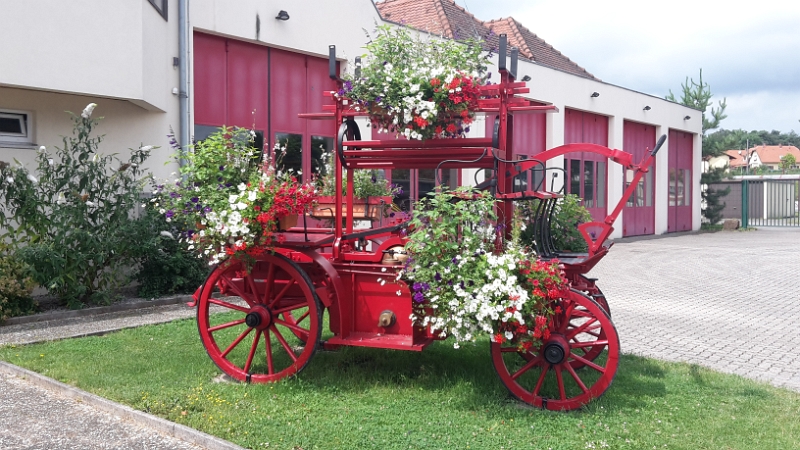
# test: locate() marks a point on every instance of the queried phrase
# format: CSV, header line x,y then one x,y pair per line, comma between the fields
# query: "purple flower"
x,y
221,168
425,286
418,297
207,209
454,260
378,99
195,199
169,214
437,277
348,86
417,287
374,179
174,195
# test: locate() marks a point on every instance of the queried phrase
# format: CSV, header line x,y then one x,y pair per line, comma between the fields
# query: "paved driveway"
x,y
727,300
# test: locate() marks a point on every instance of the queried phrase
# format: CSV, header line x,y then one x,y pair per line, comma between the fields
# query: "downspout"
x,y
183,69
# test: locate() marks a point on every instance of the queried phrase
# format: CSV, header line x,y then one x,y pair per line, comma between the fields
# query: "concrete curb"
x,y
119,307
163,426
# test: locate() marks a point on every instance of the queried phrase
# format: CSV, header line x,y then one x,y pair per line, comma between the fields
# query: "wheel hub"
x,y
259,317
554,353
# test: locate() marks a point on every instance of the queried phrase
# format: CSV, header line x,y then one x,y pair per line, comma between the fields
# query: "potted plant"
x,y
462,286
372,194
229,201
418,89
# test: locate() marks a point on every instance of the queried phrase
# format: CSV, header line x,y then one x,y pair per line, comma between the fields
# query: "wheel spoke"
x,y
588,363
235,288
301,318
284,343
568,314
252,352
560,380
540,381
282,293
576,378
236,341
304,332
526,367
286,309
252,284
268,283
226,325
581,345
228,305
270,366
580,329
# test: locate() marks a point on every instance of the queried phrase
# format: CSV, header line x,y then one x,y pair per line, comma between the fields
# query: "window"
x,y
16,128
161,6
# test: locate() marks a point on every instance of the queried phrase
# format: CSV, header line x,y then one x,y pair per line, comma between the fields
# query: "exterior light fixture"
x,y
595,94
282,15
526,78
687,117
646,108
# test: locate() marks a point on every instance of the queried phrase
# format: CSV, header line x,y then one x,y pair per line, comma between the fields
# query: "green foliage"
x,y
712,198
569,213
16,286
788,161
166,267
698,95
366,182
72,217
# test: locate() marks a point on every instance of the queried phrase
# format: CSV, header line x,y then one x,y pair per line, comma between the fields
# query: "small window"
x,y
161,6
15,127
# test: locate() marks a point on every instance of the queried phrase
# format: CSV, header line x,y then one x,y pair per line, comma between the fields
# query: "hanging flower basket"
x,y
415,88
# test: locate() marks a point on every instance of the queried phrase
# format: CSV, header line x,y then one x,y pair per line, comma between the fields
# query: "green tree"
x,y
698,95
787,162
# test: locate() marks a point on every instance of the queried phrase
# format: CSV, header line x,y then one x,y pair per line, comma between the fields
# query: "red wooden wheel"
x,y
546,377
267,327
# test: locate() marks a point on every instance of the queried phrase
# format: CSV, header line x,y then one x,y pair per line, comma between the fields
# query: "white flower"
x,y
91,203
95,157
167,234
50,161
9,180
60,199
242,206
251,196
242,186
33,179
87,112
146,148
42,149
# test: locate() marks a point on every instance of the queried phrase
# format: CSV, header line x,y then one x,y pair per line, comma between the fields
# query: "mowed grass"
x,y
439,398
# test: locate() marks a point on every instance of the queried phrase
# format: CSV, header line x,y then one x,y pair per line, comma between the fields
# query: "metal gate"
x,y
770,203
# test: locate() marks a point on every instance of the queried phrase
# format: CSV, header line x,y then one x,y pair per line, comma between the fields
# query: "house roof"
x,y
767,154
446,18
535,48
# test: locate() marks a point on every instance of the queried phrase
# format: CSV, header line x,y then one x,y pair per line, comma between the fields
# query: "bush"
x,y
73,215
569,213
166,267
16,286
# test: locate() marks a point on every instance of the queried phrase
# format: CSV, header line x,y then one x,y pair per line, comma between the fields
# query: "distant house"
x,y
769,156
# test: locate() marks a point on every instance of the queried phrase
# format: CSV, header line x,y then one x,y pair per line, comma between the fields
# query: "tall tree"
x,y
698,95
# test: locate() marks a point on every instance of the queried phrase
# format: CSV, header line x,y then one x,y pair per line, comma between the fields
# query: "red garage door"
x,y
587,172
638,215
680,181
261,88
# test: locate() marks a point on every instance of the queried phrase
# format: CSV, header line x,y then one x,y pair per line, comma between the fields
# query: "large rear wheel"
x,y
266,326
546,377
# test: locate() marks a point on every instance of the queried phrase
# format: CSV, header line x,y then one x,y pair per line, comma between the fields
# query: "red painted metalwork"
x,y
272,325
587,173
638,214
679,203
550,378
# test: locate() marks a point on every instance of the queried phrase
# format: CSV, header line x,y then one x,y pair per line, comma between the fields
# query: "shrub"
x,y
166,267
16,286
73,215
569,213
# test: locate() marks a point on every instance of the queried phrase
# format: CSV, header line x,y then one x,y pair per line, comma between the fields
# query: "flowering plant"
x,y
461,287
366,182
418,89
228,201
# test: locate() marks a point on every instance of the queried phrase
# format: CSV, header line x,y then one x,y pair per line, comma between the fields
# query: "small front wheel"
x,y
268,325
546,376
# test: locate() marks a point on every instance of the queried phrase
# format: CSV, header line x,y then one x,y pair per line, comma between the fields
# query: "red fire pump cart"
x,y
268,323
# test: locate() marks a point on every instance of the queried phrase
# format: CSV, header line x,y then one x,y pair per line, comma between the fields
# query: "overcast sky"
x,y
749,51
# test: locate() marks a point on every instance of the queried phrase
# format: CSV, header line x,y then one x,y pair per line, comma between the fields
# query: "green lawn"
x,y
440,398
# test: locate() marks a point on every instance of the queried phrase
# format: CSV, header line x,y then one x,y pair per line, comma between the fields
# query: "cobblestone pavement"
x,y
729,300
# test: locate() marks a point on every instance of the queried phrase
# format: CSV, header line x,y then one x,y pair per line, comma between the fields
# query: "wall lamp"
x,y
282,15
687,117
526,78
646,108
595,94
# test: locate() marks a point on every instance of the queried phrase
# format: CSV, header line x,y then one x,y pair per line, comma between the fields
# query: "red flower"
x,y
451,128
